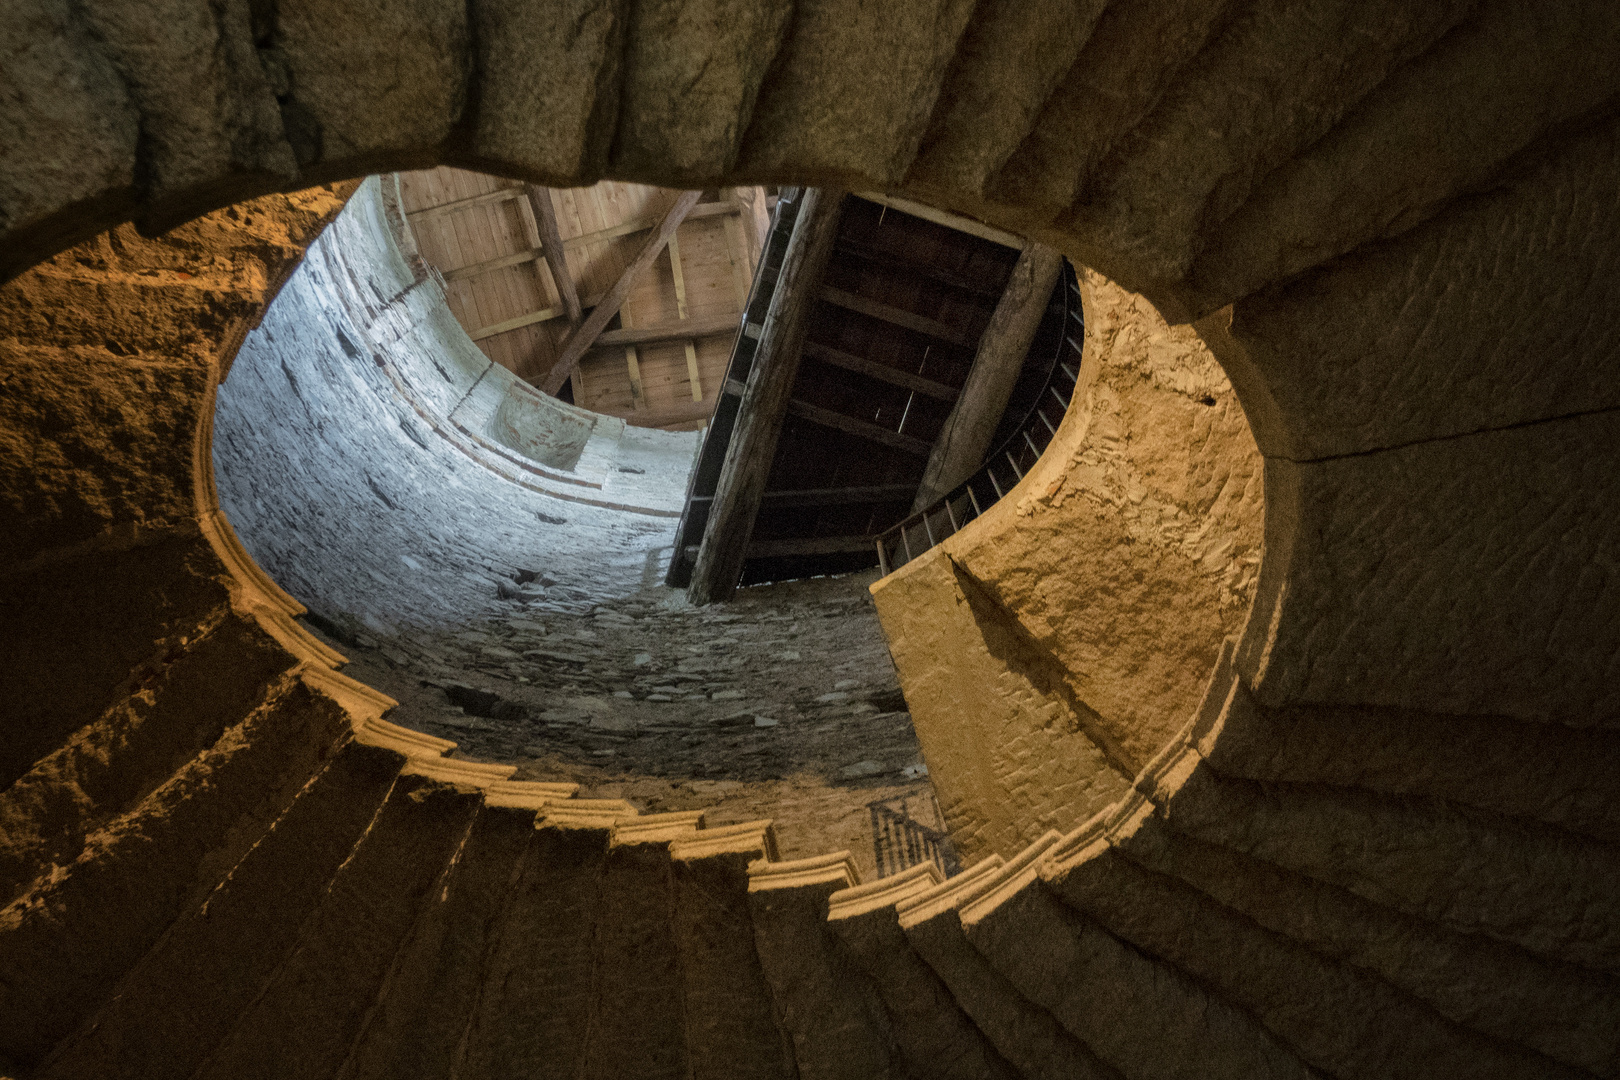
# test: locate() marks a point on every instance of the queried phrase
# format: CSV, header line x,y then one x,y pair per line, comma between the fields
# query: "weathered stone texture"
x,y
1278,78
1448,122
359,79
692,72
206,108
1008,64
1052,647
67,133
1136,49
548,87
1466,575
849,98
1486,317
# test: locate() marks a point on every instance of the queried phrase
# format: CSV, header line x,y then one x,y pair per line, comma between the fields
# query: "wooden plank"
x,y
812,545
516,258
632,361
884,372
551,245
693,375
737,252
528,319
965,438
763,409
896,316
586,333
671,331
849,425
429,212
947,219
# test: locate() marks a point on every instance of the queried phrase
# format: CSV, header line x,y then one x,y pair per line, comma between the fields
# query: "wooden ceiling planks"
x,y
484,238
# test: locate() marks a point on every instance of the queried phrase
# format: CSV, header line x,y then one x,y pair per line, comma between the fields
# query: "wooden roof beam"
x,y
965,438
864,429
551,246
766,399
587,332
896,316
882,372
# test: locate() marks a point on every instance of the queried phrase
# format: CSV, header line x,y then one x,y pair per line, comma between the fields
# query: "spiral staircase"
x,y
1385,846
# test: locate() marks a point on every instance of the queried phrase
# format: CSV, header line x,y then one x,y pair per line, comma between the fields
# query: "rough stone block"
x,y
361,80
548,87
850,94
1464,575
1446,123
1482,317
692,72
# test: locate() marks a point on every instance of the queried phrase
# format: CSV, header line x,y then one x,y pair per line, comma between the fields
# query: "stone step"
x,y
309,1015
637,1028
1027,1035
186,993
884,101
535,1007
1568,1013
107,767
1136,49
1011,58
65,944
1341,1019
838,1025
731,1028
935,1037
427,1002
1551,773
1107,994
1543,889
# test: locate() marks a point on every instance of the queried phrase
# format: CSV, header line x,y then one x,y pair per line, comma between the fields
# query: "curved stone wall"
x,y
359,417
1055,645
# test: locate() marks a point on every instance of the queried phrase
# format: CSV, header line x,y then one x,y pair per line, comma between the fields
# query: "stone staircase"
x,y
1250,910
1396,859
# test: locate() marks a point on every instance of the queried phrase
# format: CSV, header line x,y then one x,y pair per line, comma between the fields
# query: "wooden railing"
x,y
1008,463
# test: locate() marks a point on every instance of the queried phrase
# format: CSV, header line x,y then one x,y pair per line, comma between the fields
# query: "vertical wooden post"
x,y
965,438
765,399
693,376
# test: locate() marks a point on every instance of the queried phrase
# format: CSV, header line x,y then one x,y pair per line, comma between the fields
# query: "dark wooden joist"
x,y
585,335
896,316
866,430
765,399
551,246
883,372
965,438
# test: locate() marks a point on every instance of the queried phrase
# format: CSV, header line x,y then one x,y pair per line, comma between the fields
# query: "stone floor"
x,y
781,704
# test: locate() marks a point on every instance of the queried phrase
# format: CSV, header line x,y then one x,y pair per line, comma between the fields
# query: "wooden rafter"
x,y
896,316
765,402
551,247
880,371
586,333
729,210
851,426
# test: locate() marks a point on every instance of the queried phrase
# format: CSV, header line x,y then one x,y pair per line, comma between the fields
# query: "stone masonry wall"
x,y
1051,648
